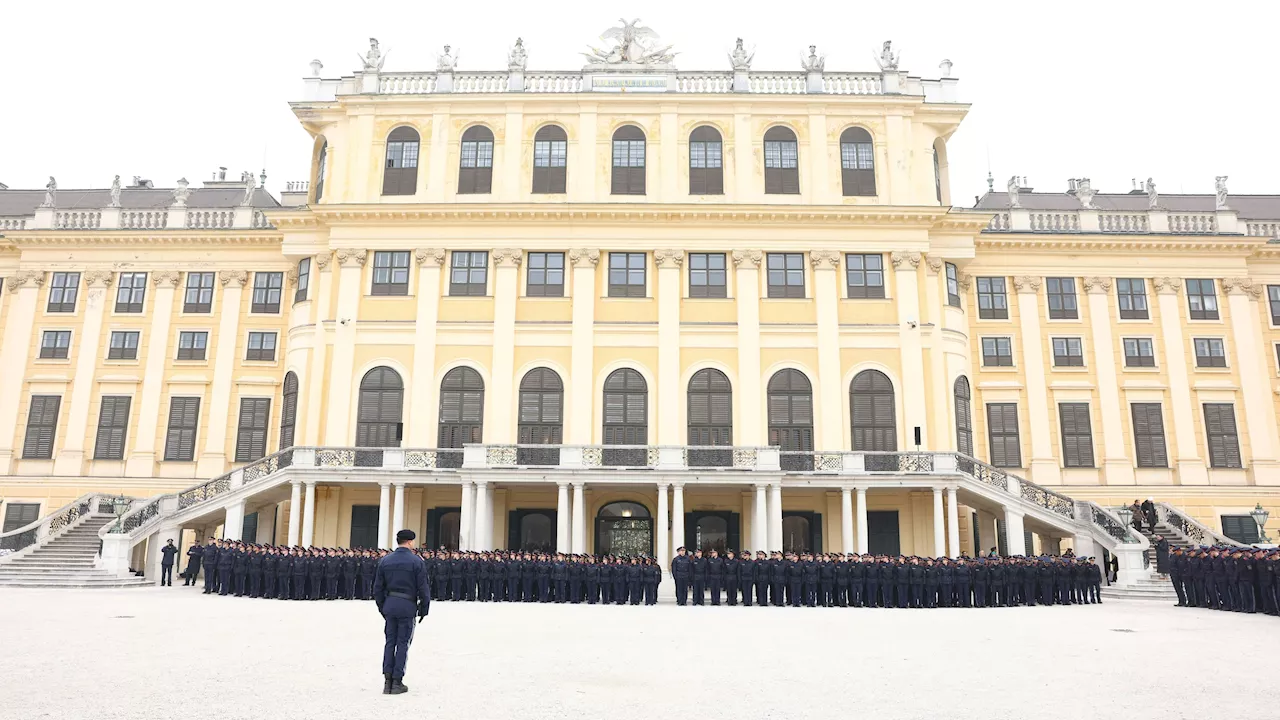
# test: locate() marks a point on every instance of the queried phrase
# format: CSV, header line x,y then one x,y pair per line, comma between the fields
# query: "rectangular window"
x,y
864,275
184,421
42,424
546,275
1002,435
993,301
131,292
1077,435
1273,298
997,352
113,427
198,297
1062,298
786,275
628,176
391,273
708,277
266,292
1139,352
1241,528
304,280
1148,435
192,345
123,345
251,435
262,346
63,288
1210,353
1068,352
626,274
1220,432
1132,295
469,274
1202,299
953,285
55,344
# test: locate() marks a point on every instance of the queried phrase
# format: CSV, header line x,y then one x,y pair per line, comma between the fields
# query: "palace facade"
x,y
628,308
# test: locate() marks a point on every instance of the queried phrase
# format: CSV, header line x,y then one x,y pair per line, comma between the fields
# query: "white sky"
x,y
1177,90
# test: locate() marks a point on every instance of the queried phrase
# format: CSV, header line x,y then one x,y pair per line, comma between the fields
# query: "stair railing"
x,y
34,534
1191,530
1129,547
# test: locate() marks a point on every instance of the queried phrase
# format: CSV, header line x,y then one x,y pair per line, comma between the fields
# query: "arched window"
x,y
322,163
475,167
628,161
706,166
710,408
289,413
871,413
400,176
711,533
461,408
550,160
781,162
624,528
541,417
537,533
857,162
964,420
380,410
448,530
791,411
626,408
797,537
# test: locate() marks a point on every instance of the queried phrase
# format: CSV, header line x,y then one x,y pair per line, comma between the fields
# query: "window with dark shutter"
x,y
964,416
541,408
1210,352
1139,352
1077,435
997,352
192,345
289,410
1148,435
1067,352
710,408
1220,432
706,171
1202,299
791,411
626,408
628,161
304,280
953,285
198,295
550,160
131,292
1002,434
251,433
390,273
864,276
475,167
123,345
1241,528
18,515
546,275
184,424
42,426
380,411
468,274
63,288
1061,293
267,287
708,276
1131,293
261,347
627,274
461,408
400,176
113,427
857,164
785,275
872,413
781,162
993,299
55,344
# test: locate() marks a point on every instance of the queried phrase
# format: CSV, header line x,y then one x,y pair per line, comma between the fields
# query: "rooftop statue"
x,y
1013,192
181,193
1220,192
115,192
447,61
50,193
740,58
815,62
372,60
250,183
634,44
887,59
518,57
1153,198
1085,193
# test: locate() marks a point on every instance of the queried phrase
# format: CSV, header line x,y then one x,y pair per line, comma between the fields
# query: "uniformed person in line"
x,y
746,576
715,575
729,580
194,553
167,554
400,592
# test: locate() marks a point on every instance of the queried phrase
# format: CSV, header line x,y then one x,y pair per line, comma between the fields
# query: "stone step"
x,y
48,569
77,583
29,563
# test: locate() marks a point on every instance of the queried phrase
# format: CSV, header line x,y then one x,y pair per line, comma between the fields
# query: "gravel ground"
x,y
173,653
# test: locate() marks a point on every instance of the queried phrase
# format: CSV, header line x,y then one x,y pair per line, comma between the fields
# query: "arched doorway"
x,y
708,529
532,530
443,528
624,528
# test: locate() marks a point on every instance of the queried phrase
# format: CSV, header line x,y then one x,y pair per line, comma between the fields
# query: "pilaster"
x,y
384,515
1116,467
669,186
141,463
935,295
582,176
563,518
1191,469
1044,465
669,263
438,155
213,461
830,435
906,268
70,460
322,290
819,152
510,177
23,287
505,288
421,427
350,287
1260,419
582,361
748,387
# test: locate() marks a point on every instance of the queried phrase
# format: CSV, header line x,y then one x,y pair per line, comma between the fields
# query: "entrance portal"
x,y
624,528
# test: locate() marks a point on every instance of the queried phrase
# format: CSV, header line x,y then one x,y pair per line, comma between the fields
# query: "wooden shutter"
x,y
541,408
790,411
113,425
251,433
17,515
1220,429
1148,435
42,425
184,418
626,418
380,410
289,410
1002,432
872,413
1077,434
461,408
1241,528
964,417
710,403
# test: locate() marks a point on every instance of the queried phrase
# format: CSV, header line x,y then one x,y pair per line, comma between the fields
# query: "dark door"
x,y
364,526
443,527
882,532
802,531
249,531
532,530
708,530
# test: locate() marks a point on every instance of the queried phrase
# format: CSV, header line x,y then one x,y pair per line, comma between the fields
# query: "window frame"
x,y
953,285
1062,290
551,147
177,433
1004,434
1225,441
304,281
261,353
200,289
134,287
476,178
707,289
993,297
1157,456
190,352
995,346
1125,289
706,178
69,286
112,436
251,438
702,409
123,351
1203,298
1138,345
1072,359
628,288
390,287
540,410
40,437
780,177
267,285
858,163
471,287
1075,431
540,262
865,291
628,178
786,289
59,349
1214,360
400,173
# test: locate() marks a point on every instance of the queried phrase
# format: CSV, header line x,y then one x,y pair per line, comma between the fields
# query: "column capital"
x,y
824,259
579,484
951,489
296,482
1026,284
898,257
1097,285
233,278
965,281
165,277
663,484
755,256
429,256
584,257
846,490
291,277
25,278
862,489
1242,286
1167,285
675,258
508,257
562,484
384,483
777,484
677,485
1011,511
398,485
934,264
322,261
352,257
309,483
98,278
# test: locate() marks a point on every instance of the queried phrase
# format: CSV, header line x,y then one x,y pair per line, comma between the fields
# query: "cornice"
x,y
1122,243
161,238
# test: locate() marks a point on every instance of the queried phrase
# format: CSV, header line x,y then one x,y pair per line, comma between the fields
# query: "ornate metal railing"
x,y
136,518
449,459
709,457
902,462
1194,532
1109,524
538,455
55,522
982,472
624,457
204,491
1046,498
796,460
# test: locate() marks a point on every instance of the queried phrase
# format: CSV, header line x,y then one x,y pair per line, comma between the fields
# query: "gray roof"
x,y
25,202
1247,207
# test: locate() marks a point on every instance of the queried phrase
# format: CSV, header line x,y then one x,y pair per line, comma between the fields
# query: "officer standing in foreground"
x,y
401,591
168,553
194,554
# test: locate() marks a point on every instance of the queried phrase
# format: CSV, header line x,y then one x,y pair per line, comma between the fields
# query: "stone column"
x,y
309,514
14,354
322,289
70,459
775,516
488,521
953,523
562,517
397,514
846,520
467,516
677,516
506,284
1191,469
905,266
213,461
384,515
943,418
1044,465
1014,532
1116,467
747,390
141,463
579,544
862,521
939,526
1255,381
295,511
582,335
662,530
350,288
987,537
818,149
669,393
420,430
233,525
830,431
481,537
760,520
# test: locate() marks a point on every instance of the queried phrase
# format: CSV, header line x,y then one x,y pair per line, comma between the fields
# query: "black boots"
x,y
395,687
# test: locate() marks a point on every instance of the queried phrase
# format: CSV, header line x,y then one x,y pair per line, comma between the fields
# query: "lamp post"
x,y
1260,516
1126,516
120,504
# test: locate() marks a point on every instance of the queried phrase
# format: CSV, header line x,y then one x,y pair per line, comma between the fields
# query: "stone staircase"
x,y
1172,536
66,561
1158,587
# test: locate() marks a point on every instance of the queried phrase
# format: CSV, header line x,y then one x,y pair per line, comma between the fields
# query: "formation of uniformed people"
x,y
514,576
271,571
1239,579
836,580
